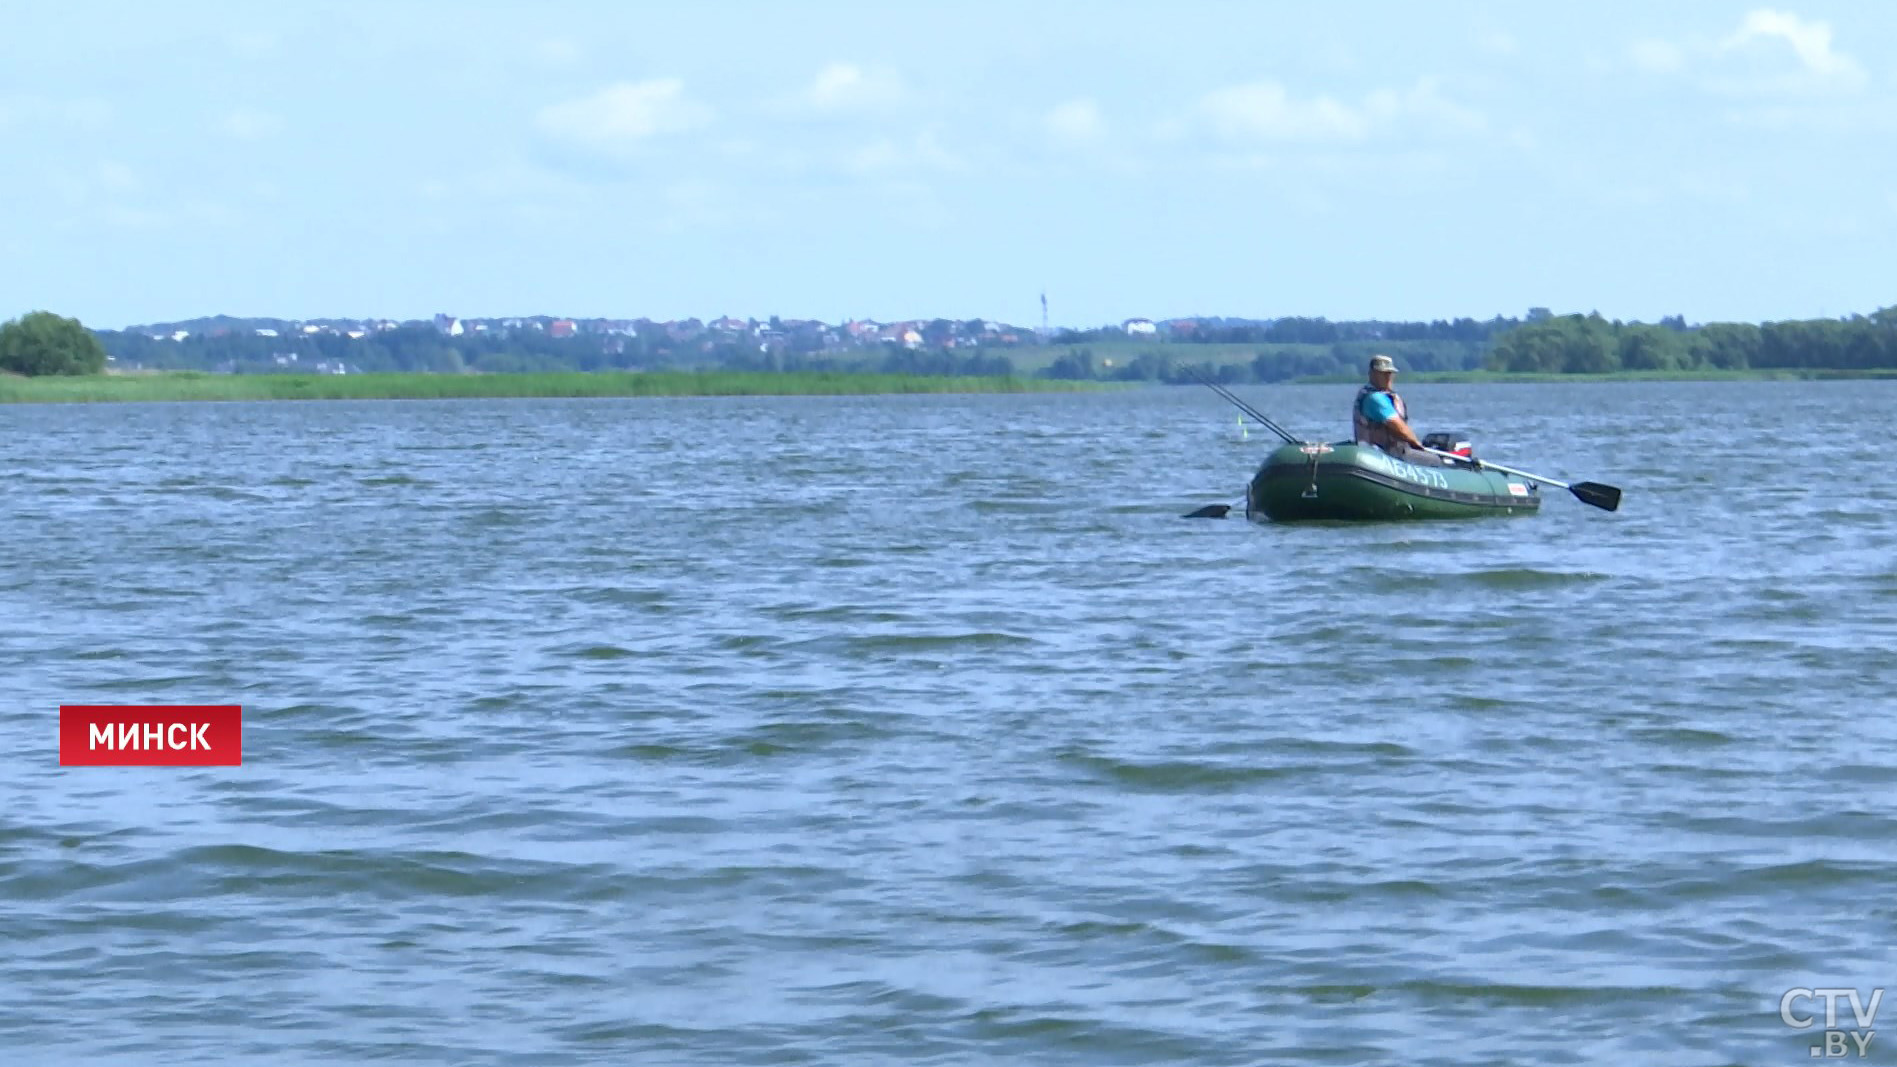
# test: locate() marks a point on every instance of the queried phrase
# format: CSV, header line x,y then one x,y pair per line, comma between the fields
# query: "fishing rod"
x,y
1257,416
1219,511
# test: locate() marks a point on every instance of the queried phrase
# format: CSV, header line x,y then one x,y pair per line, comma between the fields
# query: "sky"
x,y
1352,160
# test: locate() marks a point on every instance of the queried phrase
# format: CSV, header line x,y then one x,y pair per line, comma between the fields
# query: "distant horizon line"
x,y
1053,327
1237,319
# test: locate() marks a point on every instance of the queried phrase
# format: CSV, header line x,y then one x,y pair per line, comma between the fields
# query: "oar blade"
x,y
1605,497
1210,511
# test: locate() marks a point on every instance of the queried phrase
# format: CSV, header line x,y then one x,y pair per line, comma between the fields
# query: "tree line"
x,y
1315,331
1589,344
45,343
1178,363
1543,343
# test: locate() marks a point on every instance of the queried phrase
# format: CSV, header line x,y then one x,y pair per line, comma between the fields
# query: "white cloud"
x,y
848,87
1771,53
250,124
1423,104
621,116
1809,41
1266,111
1076,121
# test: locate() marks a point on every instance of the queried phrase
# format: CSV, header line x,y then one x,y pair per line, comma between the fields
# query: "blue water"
x,y
925,730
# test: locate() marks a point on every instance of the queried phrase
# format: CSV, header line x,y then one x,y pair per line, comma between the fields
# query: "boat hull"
x,y
1357,483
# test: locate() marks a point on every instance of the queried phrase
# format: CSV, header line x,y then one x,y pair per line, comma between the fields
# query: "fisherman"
x,y
1379,418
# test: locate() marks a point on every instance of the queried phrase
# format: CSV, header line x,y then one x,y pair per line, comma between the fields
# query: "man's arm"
x,y
1397,426
1381,411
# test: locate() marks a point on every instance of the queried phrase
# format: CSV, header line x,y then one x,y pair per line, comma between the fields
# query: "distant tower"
x,y
1045,332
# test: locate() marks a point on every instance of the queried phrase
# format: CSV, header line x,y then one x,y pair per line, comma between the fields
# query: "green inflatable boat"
x,y
1349,482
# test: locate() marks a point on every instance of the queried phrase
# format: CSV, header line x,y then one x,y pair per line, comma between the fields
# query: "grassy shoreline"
x,y
1774,374
198,386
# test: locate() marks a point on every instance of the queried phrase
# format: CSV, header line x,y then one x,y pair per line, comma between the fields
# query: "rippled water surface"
x,y
925,730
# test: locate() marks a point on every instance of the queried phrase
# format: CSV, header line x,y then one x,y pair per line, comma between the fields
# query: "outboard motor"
x,y
1453,443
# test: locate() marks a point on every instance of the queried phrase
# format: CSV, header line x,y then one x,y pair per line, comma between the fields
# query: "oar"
x,y
1211,511
1605,497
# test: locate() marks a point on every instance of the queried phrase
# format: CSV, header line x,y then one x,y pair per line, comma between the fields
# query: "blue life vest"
x,y
1365,432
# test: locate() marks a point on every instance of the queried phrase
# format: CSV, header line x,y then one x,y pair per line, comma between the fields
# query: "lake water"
x,y
925,730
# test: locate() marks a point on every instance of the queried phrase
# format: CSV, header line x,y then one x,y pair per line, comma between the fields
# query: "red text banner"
x,y
151,735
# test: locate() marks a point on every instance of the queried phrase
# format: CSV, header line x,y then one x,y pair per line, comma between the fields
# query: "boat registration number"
x,y
1407,471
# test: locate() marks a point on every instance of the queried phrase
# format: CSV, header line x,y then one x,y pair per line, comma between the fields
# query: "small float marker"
x,y
152,735
1242,434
